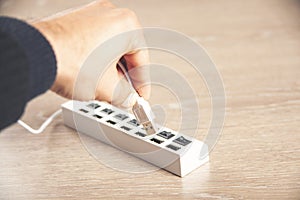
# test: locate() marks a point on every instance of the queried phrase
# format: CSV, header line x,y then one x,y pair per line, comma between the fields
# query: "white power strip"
x,y
167,149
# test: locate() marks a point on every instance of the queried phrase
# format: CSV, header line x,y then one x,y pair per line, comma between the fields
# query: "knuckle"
x,y
107,3
127,13
128,16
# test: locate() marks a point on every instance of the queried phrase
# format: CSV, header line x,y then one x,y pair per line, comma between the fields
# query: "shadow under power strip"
x,y
167,149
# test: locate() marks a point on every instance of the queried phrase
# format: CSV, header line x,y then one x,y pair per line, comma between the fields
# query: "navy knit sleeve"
x,y
27,67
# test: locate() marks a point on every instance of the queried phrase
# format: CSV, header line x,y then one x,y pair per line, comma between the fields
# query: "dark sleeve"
x,y
27,67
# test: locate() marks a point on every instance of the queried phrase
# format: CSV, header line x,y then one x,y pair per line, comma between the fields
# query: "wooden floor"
x,y
256,48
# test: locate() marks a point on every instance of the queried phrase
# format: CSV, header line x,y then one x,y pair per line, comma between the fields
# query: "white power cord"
x,y
43,126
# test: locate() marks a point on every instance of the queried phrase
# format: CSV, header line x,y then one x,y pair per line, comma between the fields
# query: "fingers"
x,y
123,95
114,88
102,26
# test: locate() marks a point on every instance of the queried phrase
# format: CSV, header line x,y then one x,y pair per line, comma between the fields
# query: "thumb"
x,y
114,88
124,96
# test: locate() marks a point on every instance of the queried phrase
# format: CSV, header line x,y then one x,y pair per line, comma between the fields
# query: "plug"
x,y
143,113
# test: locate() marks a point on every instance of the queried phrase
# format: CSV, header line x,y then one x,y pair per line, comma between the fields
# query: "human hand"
x,y
75,34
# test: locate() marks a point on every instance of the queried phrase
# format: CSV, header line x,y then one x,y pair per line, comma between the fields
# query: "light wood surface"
x,y
256,47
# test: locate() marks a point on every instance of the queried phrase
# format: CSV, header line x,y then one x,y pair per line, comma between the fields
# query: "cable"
x,y
126,75
141,109
43,126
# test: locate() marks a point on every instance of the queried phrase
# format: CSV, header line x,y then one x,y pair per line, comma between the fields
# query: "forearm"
x,y
27,65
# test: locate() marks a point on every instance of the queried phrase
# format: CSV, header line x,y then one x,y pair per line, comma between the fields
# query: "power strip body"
x,y
167,149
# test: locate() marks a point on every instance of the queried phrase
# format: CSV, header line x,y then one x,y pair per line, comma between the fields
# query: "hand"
x,y
74,35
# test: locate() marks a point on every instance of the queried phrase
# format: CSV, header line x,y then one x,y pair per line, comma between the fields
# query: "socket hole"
x,y
111,122
157,140
173,147
107,111
140,134
83,110
97,116
134,122
125,128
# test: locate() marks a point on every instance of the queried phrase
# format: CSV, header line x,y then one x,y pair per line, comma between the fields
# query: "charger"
x,y
144,115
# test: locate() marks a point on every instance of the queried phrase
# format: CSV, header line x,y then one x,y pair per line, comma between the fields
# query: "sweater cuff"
x,y
40,55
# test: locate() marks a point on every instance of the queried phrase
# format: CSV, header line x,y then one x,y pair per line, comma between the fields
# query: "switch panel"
x,y
175,152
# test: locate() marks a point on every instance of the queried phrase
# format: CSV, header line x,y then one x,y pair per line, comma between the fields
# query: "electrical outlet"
x,y
167,149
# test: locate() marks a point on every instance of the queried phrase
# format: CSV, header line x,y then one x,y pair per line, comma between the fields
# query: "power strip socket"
x,y
167,149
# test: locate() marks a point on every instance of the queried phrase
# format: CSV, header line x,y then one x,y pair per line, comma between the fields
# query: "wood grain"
x,y
256,47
